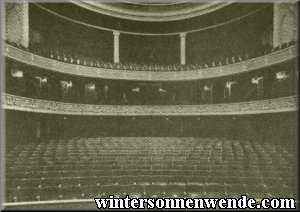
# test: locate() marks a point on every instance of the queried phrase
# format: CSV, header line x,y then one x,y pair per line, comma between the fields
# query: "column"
x,y
17,23
182,48
284,23
116,46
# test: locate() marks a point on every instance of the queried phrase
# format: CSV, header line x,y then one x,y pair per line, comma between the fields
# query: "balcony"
x,y
273,58
285,104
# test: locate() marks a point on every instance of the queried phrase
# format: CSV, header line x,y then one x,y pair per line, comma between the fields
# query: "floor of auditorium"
x,y
85,168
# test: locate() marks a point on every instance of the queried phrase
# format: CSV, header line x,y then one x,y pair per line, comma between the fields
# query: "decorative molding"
x,y
140,12
285,104
106,73
87,24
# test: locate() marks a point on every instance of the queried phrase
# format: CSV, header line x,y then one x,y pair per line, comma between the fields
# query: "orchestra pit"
x,y
148,100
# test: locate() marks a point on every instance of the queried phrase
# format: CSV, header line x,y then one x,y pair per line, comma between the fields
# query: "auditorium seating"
x,y
85,168
96,62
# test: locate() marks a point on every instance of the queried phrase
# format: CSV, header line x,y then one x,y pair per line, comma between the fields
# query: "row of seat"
x,y
85,167
184,178
147,190
80,60
130,156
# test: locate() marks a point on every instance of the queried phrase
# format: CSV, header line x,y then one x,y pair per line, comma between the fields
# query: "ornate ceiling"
x,y
156,12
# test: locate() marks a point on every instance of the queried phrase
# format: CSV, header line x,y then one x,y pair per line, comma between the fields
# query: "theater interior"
x,y
148,100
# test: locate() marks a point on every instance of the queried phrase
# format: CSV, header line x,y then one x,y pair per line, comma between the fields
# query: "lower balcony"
x,y
284,104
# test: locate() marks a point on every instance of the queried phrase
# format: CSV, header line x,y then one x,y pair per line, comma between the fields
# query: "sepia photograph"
x,y
149,104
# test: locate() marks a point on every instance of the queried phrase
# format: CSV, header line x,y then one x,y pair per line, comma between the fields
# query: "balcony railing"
x,y
111,73
285,104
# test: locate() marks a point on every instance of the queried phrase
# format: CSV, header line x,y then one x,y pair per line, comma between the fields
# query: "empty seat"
x,y
272,181
154,190
215,180
30,194
50,193
196,180
123,180
175,190
70,192
134,190
195,190
89,191
253,181
230,180
281,191
11,195
148,167
234,190
103,180
215,190
113,189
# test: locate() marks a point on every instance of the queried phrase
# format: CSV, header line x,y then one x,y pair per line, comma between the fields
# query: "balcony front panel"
x,y
121,74
285,104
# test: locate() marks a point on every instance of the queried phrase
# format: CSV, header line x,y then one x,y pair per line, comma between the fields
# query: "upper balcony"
x,y
98,69
206,41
